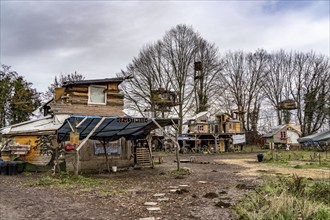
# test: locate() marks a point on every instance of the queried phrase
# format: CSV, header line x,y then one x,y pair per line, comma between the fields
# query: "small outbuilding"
x,y
282,135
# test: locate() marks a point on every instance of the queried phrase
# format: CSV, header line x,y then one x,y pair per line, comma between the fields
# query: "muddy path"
x,y
208,192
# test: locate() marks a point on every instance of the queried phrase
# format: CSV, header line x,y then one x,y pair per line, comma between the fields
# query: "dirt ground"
x,y
215,183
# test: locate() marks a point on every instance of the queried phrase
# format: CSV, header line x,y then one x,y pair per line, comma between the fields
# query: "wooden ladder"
x,y
143,157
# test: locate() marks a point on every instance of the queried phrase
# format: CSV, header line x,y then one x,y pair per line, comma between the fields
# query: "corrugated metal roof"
x,y
201,114
93,81
36,126
276,129
273,131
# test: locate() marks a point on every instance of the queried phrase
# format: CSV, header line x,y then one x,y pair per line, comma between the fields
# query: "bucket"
x,y
260,157
114,169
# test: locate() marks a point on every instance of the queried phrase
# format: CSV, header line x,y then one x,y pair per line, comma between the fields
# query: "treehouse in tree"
x,y
288,104
163,99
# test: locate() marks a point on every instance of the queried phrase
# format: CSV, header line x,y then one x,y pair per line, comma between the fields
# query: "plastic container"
x,y
4,168
260,157
12,168
114,169
69,147
20,167
1,163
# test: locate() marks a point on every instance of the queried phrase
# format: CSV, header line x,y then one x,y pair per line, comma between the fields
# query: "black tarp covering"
x,y
112,128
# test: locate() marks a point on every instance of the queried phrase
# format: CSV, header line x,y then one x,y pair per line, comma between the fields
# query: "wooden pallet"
x,y
143,157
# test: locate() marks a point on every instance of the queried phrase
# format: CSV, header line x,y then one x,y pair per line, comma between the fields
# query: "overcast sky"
x,y
99,38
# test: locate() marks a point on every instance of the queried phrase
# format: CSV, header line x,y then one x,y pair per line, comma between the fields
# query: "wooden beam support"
x,y
82,121
176,142
76,172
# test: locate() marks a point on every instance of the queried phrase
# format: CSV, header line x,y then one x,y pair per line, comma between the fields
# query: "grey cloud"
x,y
99,38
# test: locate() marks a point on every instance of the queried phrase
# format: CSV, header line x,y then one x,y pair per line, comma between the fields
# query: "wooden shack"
x,y
218,134
228,124
199,124
20,140
282,135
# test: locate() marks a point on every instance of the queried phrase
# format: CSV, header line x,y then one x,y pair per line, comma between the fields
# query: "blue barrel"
x,y
260,157
12,168
4,168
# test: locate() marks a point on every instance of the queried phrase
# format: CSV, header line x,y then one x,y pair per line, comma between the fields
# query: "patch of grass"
x,y
312,165
162,153
316,159
182,171
320,191
120,191
63,180
286,198
86,190
104,192
253,148
26,173
322,213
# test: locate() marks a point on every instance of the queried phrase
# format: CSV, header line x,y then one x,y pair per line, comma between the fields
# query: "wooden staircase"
x,y
143,158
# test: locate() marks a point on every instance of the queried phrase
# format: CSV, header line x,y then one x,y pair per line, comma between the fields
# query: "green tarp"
x,y
318,137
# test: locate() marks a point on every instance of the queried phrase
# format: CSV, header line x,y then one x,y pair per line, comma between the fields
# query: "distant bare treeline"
x,y
245,81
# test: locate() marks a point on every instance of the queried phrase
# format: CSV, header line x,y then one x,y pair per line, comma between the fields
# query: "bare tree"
x,y
207,72
310,88
180,45
256,69
48,145
277,81
146,73
168,64
58,82
234,79
243,77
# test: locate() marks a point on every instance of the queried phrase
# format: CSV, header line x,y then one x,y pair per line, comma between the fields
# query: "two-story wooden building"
x,y
219,134
78,105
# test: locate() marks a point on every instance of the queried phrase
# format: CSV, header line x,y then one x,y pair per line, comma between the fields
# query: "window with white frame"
x,y
97,95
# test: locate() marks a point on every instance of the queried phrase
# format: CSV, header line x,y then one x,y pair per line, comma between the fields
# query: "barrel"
x,y
12,168
4,168
20,166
